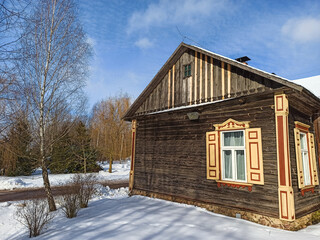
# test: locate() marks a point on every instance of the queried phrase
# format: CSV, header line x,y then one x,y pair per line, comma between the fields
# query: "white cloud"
x,y
144,43
302,30
91,41
172,12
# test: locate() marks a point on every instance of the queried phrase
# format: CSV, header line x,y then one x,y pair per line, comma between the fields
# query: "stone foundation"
x,y
253,217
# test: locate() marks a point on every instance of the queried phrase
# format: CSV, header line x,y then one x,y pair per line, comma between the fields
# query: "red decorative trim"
x,y
214,173
282,169
214,137
255,136
311,189
235,185
309,157
232,124
305,129
258,180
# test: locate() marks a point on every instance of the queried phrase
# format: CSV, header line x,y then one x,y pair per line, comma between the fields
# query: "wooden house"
x,y
217,133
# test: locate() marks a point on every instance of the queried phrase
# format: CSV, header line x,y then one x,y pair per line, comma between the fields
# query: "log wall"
x,y
171,155
310,201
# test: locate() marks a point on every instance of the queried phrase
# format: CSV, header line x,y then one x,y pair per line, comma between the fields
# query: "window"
x,y
305,156
187,70
234,153
233,156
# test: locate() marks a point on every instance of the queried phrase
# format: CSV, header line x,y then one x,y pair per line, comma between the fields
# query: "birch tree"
x,y
12,15
52,72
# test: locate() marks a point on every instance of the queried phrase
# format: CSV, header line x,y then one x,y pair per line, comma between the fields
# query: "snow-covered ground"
x,y
120,171
114,215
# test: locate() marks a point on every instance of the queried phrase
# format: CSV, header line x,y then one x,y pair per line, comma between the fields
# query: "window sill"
x,y
235,184
309,188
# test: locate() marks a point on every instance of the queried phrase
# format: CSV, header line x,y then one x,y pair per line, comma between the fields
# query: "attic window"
x,y
187,70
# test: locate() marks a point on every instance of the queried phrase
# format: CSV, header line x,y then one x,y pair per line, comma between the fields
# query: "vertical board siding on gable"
x,y
210,80
201,77
216,84
206,78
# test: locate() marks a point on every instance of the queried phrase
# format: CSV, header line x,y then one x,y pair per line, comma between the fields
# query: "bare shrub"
x,y
86,183
82,188
70,201
35,215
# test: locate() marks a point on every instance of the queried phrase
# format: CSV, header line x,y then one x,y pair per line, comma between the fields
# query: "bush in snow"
x,y
70,201
86,187
82,188
35,215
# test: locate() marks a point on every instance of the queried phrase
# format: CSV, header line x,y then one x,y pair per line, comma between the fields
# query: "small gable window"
x,y
187,70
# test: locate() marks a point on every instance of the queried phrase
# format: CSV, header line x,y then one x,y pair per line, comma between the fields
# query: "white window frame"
x,y
233,149
305,160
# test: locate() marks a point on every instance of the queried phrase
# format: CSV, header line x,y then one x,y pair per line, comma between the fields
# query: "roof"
x,y
310,83
178,53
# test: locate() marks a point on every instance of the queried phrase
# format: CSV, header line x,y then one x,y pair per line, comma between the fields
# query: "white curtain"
x,y
233,139
240,165
305,159
227,163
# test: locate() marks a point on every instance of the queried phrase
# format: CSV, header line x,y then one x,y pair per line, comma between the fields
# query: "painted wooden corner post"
x,y
285,191
133,149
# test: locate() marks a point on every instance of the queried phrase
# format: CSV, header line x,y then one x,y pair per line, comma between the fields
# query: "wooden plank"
x,y
200,74
229,80
222,80
169,87
195,77
211,79
206,79
173,80
217,79
163,96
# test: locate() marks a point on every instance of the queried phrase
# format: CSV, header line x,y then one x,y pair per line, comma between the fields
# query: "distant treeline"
x,y
102,136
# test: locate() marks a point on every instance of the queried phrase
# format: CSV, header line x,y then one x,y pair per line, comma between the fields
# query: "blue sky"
x,y
133,39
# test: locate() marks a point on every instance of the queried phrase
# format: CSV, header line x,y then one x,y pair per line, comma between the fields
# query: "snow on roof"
x,y
310,83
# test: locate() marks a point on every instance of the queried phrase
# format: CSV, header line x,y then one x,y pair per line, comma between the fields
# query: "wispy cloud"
x,y
302,30
172,12
91,41
144,43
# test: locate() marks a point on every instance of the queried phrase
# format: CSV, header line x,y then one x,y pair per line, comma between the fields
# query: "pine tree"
x,y
73,153
17,157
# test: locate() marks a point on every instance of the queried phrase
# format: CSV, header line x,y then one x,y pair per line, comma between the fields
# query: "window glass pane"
x,y
306,168
241,171
303,140
233,139
227,156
